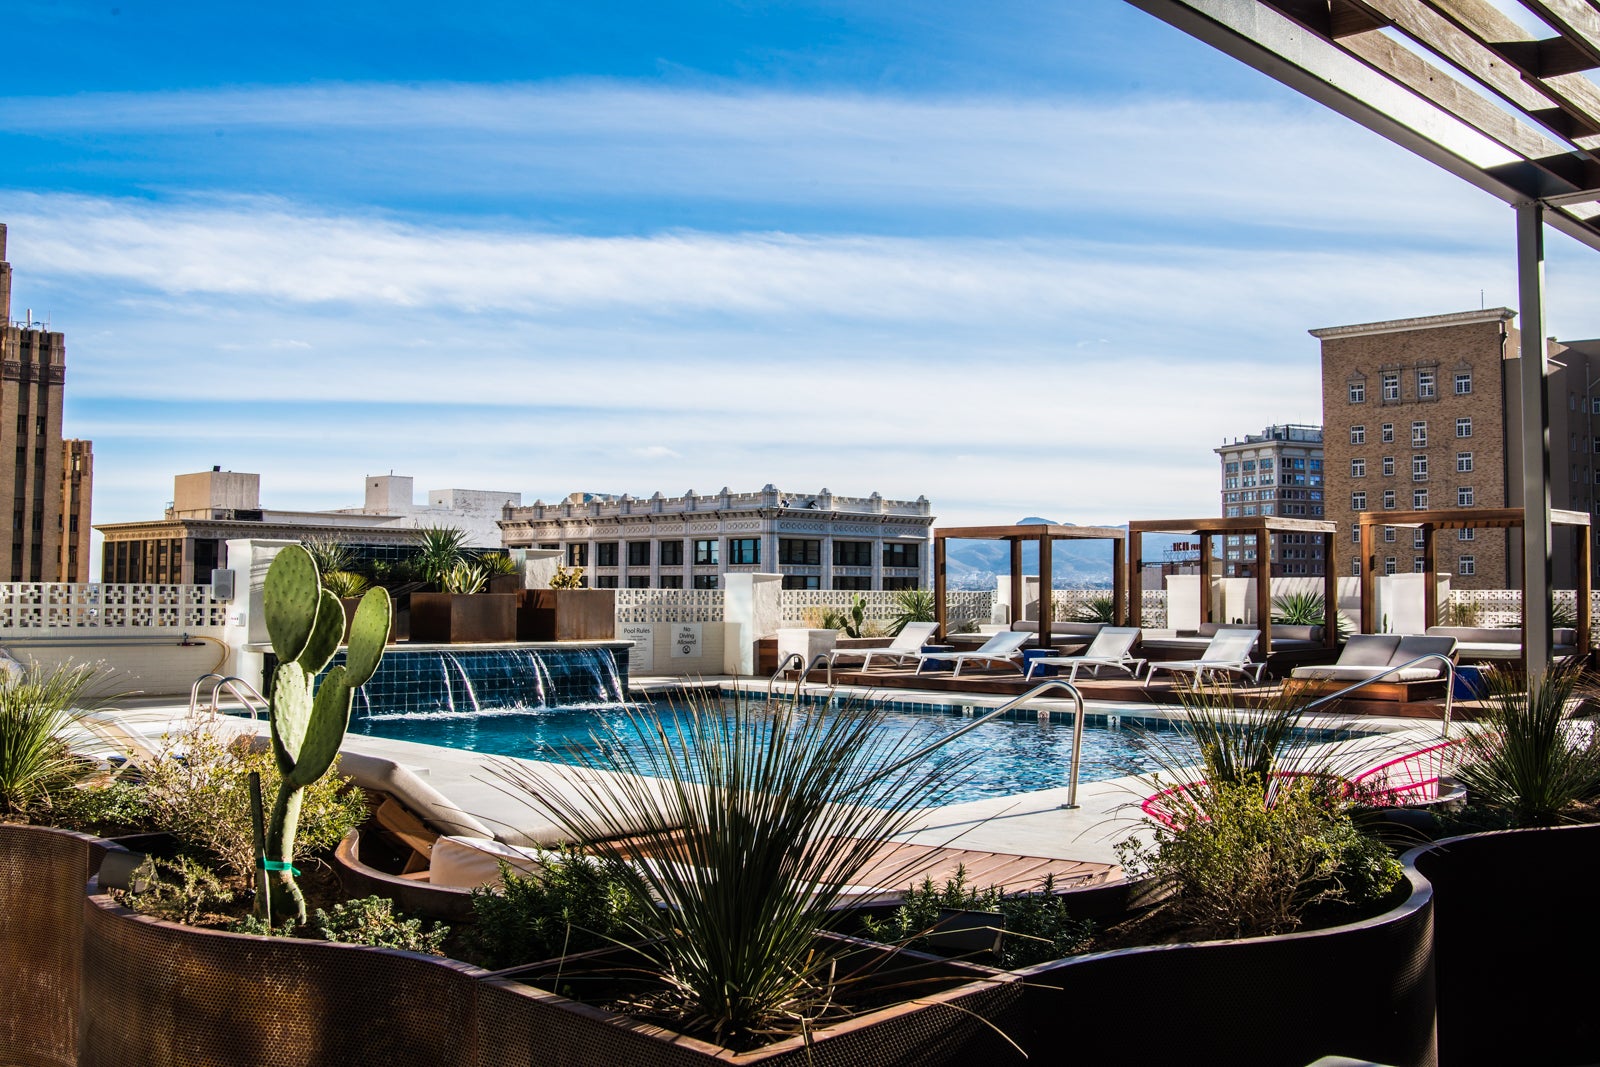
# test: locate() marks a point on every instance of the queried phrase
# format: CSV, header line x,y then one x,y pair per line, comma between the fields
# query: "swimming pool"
x,y
1014,755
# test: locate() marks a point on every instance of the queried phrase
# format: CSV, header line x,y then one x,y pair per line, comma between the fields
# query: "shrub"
x,y
1248,868
1531,759
1097,609
118,806
1038,926
571,905
181,890
567,578
255,924
371,921
911,605
37,708
203,798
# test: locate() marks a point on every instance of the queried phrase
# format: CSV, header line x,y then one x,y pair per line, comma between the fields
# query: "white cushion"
x,y
469,862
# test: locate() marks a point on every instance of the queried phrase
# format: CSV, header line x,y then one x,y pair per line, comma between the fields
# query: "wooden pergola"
x,y
1046,534
1430,522
1261,527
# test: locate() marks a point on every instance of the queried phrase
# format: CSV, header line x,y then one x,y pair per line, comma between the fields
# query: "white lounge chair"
x,y
907,643
1004,647
125,741
1111,647
1228,653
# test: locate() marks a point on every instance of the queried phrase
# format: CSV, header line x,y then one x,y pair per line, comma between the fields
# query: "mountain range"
x,y
1075,564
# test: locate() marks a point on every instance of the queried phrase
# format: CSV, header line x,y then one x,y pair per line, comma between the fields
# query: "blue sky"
x,y
1022,258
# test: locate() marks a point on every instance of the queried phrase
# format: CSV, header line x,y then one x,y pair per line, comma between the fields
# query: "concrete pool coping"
x,y
1033,824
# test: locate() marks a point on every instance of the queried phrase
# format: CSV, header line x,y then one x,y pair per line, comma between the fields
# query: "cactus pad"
x,y
326,634
369,631
289,601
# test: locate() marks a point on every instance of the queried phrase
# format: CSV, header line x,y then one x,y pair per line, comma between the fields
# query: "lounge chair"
x,y
1369,655
907,643
1003,647
126,742
1111,647
1228,653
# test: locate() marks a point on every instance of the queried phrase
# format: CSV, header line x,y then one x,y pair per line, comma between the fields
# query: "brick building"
x,y
1421,414
48,485
1276,472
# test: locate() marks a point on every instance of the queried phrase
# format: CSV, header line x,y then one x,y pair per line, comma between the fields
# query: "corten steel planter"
x,y
1363,990
351,603
566,615
1513,927
463,618
42,873
958,1021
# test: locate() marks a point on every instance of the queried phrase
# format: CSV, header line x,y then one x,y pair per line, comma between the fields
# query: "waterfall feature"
x,y
464,680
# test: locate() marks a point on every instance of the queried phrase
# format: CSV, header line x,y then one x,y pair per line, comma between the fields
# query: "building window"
x,y
1419,435
1358,392
1418,563
800,552
1358,435
801,581
855,582
672,556
1464,496
1463,462
1391,387
670,581
1426,385
1355,568
1419,500
1463,382
577,555
1358,502
638,554
1388,499
1466,565
605,554
852,554
1466,533
1388,466
638,581
744,551
1358,468
901,555
1390,565
705,581
1464,427
895,584
706,555
605,581
1388,533
1355,535
1419,468
1386,432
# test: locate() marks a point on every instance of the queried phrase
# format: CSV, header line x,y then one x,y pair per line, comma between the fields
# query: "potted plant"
x,y
567,611
461,611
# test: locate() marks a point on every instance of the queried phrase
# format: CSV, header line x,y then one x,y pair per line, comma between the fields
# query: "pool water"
x,y
1014,755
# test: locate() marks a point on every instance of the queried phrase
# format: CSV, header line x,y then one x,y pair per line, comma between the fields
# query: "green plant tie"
x,y
279,865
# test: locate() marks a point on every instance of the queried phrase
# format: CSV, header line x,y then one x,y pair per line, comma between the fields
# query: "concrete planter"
x,y
1363,990
463,618
1512,927
566,615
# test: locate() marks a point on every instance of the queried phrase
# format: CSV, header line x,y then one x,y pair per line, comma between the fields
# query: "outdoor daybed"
x,y
1371,655
1484,643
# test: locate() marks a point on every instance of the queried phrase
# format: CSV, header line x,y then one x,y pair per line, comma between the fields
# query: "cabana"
x,y
1045,534
1430,522
1261,527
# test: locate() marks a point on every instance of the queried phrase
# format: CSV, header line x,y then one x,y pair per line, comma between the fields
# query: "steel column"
x,y
1537,575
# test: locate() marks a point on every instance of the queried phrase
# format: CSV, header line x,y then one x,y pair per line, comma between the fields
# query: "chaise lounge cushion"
x,y
1369,655
1059,626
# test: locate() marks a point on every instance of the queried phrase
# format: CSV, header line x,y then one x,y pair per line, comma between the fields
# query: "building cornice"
x,y
1425,322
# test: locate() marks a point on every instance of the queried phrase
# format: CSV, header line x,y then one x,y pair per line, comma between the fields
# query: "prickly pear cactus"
x,y
305,622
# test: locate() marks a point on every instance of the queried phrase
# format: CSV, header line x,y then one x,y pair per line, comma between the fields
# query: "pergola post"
x,y
1017,606
1205,578
1121,610
1136,578
1369,577
1264,587
1330,594
1430,595
940,612
1046,608
1535,422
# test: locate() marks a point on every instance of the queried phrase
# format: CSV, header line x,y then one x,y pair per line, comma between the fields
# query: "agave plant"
x,y
344,584
38,706
441,548
911,605
1534,759
464,577
755,822
493,563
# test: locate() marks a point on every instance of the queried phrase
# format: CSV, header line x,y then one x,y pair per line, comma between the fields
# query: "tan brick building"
x,y
1421,413
45,482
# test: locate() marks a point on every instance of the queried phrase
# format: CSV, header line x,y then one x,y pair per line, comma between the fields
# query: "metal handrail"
x,y
1449,690
1077,736
241,690
800,682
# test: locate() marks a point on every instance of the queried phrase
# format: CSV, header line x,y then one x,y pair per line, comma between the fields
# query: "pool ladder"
x,y
238,688
800,682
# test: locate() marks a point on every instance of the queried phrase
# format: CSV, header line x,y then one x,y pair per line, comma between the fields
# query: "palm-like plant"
x,y
1305,609
440,549
1533,758
911,605
37,708
1097,609
755,821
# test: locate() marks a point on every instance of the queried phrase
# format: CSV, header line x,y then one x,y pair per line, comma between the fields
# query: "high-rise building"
x,y
47,487
1275,472
1422,414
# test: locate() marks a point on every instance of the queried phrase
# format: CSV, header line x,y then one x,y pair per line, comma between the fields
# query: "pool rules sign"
x,y
686,640
642,657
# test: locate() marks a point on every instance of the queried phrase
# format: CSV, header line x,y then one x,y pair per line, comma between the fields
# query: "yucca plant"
x,y
329,554
911,605
754,821
1533,758
495,563
440,549
1097,609
1305,609
344,584
38,706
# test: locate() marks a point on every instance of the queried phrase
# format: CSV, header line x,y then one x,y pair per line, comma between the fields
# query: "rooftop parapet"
x,y
606,505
